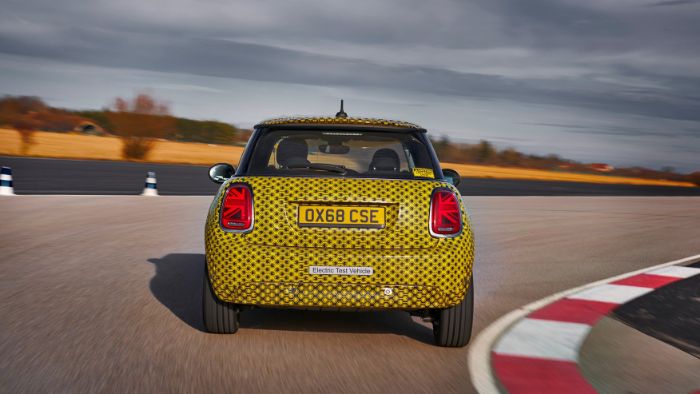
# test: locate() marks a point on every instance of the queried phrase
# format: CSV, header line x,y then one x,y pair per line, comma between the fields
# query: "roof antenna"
x,y
342,113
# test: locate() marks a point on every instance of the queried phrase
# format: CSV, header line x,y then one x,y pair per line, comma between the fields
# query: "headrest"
x,y
385,160
292,151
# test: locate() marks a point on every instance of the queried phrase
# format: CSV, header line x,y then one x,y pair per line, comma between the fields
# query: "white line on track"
x,y
561,342
615,294
480,349
676,272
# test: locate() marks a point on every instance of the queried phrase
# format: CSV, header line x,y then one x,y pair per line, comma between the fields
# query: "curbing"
x,y
480,352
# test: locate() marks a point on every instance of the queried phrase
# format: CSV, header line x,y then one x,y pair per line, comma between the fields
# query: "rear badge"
x,y
335,270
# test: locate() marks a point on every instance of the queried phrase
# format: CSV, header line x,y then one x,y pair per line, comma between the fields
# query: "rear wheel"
x,y
219,317
453,326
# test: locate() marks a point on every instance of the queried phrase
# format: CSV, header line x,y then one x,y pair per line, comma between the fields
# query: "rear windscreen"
x,y
352,154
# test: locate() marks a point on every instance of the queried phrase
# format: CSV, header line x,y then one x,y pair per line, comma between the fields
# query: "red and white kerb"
x,y
539,354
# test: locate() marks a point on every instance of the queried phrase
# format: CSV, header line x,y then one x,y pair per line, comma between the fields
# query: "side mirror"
x,y
221,172
451,176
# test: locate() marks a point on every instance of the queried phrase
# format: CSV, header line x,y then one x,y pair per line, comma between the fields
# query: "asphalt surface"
x,y
616,358
103,294
670,314
57,176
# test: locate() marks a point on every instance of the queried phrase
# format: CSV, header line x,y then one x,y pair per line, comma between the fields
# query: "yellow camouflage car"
x,y
339,213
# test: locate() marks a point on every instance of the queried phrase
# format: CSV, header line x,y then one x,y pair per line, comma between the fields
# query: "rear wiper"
x,y
322,167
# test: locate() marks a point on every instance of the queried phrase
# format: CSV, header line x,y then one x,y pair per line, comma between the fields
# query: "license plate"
x,y
336,270
335,216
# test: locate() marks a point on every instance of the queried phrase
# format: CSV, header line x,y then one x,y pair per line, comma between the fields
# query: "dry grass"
x,y
470,170
75,146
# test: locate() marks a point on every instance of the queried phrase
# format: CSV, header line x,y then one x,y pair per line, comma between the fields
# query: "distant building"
x,y
601,167
87,127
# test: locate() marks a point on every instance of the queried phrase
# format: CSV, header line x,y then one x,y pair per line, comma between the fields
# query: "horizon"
x,y
594,82
433,136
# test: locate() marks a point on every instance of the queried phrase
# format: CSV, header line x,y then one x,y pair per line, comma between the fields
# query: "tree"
x,y
206,131
20,114
511,157
26,127
139,123
695,177
441,146
485,151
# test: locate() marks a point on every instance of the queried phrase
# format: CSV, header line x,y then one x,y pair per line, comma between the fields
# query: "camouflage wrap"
x,y
270,264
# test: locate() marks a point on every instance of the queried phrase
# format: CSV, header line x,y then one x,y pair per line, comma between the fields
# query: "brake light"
x,y
237,208
445,215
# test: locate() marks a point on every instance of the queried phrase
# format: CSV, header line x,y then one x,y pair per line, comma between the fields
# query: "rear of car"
x,y
342,216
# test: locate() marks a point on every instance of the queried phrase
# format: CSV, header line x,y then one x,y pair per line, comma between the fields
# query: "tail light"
x,y
445,215
237,208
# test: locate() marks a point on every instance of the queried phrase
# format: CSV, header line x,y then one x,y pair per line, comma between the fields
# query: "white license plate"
x,y
336,270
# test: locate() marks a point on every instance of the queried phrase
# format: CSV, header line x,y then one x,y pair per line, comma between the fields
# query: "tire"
x,y
219,317
453,326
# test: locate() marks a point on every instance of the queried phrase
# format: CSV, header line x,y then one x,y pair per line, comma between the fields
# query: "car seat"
x,y
292,152
385,160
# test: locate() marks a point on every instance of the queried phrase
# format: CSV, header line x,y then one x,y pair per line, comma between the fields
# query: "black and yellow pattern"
x,y
329,120
270,265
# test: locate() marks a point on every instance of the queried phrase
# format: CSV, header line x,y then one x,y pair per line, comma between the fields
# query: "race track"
x,y
103,293
57,176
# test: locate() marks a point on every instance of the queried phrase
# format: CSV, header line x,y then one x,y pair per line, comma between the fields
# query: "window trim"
x,y
258,133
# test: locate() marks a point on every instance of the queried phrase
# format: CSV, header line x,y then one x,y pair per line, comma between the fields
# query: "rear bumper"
x,y
337,295
279,276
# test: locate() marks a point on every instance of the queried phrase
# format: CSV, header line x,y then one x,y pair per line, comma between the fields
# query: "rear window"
x,y
351,154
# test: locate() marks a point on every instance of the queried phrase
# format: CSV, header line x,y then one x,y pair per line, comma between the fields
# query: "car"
x,y
339,213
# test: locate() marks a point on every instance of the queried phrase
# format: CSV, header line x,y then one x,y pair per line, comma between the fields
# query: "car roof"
x,y
341,122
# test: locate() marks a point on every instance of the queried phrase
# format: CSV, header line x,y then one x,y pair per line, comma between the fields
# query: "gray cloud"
x,y
626,131
624,61
219,58
598,25
674,3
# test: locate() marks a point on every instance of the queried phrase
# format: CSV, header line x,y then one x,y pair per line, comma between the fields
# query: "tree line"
x,y
484,152
141,121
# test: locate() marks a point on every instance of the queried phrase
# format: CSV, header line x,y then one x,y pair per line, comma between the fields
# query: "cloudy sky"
x,y
615,81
